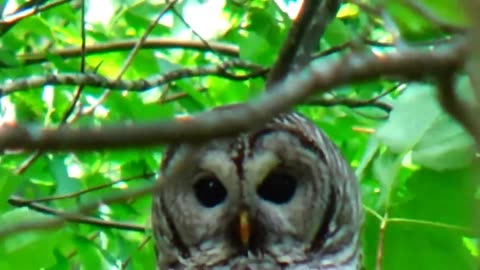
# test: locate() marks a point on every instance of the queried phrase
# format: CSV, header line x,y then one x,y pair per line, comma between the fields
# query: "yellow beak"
x,y
244,228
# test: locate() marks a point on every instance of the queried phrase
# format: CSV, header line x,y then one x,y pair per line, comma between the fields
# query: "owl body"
x,y
278,197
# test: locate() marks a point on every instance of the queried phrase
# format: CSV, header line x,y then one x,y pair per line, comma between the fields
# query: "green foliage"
x,y
418,124
416,164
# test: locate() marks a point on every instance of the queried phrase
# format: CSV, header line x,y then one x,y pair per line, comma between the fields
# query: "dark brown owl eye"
x,y
278,187
209,191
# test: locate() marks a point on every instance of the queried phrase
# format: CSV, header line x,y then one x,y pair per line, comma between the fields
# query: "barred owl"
x,y
278,197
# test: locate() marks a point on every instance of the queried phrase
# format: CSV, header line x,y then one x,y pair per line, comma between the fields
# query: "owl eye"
x,y
278,187
209,191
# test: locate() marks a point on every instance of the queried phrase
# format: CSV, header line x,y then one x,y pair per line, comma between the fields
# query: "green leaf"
x,y
260,53
336,33
426,230
418,124
386,170
36,25
416,27
446,146
38,247
8,184
64,183
370,151
8,58
419,248
449,11
29,106
91,255
450,203
398,155
262,39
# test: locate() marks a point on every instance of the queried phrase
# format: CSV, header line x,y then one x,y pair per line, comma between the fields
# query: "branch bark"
x,y
127,45
96,80
302,38
408,64
74,217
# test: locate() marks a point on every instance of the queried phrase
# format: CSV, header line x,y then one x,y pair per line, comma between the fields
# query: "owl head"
x,y
278,197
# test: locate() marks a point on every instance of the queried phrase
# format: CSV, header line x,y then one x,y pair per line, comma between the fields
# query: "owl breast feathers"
x,y
279,197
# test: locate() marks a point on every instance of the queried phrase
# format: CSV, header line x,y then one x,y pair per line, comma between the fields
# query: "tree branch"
x,y
409,64
26,11
351,103
95,80
463,112
87,190
126,262
357,103
73,217
381,242
302,38
59,220
126,45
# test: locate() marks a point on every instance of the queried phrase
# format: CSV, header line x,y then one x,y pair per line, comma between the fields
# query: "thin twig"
x,y
357,103
140,247
381,242
121,45
174,97
132,55
87,190
373,212
351,103
464,230
44,223
363,130
73,217
204,41
25,165
78,90
10,20
90,237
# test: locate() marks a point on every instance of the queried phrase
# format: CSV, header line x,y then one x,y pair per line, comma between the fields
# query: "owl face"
x,y
268,199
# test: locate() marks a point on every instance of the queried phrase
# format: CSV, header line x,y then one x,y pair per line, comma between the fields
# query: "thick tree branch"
x,y
463,112
136,46
302,38
408,64
128,61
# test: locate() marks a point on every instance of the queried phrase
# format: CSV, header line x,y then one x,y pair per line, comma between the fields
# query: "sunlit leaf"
x,y
418,124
